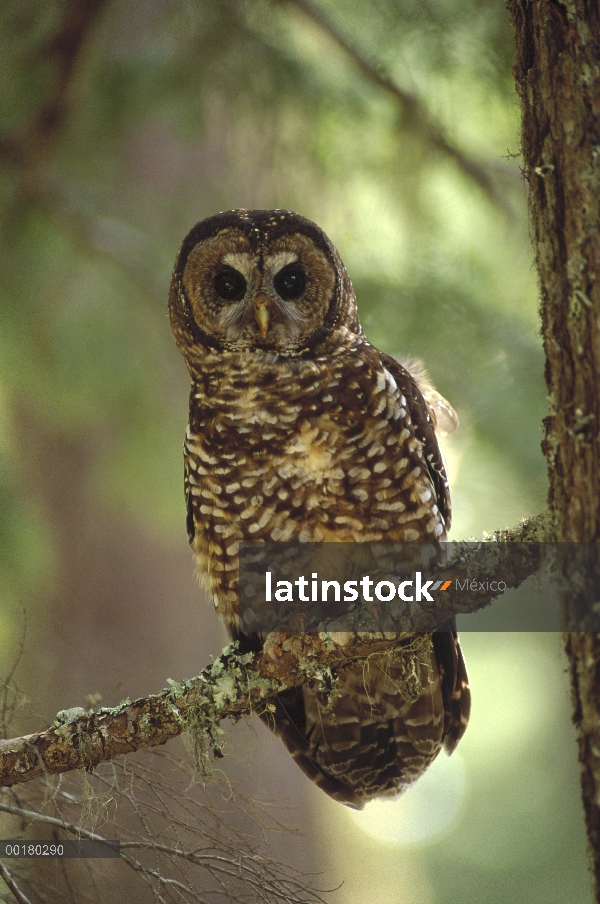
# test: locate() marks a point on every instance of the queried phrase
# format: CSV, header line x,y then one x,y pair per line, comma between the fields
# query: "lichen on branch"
x,y
236,684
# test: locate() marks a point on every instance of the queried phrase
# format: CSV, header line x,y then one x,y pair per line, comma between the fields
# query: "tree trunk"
x,y
557,73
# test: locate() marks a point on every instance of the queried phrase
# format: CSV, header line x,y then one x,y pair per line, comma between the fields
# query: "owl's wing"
x,y
189,520
425,409
370,742
456,693
424,427
444,416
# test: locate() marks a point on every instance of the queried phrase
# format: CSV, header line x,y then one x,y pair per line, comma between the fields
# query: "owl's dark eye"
x,y
290,282
229,284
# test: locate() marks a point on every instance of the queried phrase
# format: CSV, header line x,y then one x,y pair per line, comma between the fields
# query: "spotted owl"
x,y
300,430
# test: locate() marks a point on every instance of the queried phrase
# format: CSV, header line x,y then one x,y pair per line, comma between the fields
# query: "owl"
x,y
301,430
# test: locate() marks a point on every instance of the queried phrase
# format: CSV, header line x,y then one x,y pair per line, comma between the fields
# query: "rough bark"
x,y
557,74
583,651
558,79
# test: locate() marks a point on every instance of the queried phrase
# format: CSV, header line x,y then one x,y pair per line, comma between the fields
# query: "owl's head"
x,y
259,279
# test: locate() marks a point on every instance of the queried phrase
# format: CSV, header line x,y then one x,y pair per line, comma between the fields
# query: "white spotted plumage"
x,y
301,430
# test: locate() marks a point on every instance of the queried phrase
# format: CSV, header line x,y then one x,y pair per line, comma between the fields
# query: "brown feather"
x,y
306,432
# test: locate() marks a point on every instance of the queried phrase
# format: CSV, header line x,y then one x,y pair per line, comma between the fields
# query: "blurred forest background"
x,y
394,125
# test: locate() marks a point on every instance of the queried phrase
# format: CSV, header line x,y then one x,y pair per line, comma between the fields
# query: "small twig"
x,y
12,885
36,816
6,709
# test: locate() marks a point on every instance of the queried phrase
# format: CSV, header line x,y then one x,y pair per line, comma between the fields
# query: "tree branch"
x,y
30,146
235,684
211,853
12,886
416,115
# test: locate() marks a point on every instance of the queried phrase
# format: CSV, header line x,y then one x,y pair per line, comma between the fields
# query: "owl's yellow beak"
x,y
261,313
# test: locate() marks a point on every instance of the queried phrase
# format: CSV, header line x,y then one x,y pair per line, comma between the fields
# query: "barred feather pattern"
x,y
310,434
371,741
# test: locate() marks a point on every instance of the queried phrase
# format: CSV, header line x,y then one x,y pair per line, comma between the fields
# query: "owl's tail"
x,y
380,729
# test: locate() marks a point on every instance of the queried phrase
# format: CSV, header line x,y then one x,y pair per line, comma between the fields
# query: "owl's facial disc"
x,y
273,297
289,284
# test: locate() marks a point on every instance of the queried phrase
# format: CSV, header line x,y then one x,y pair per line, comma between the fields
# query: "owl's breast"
x,y
308,471
314,453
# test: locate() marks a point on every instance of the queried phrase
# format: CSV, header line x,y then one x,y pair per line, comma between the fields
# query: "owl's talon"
x,y
300,622
272,645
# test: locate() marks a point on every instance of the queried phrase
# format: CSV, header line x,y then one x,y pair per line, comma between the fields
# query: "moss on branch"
x,y
235,684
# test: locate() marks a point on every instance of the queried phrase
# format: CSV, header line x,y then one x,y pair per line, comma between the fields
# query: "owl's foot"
x,y
298,623
376,612
272,645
